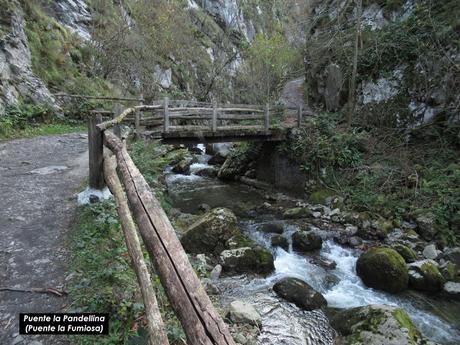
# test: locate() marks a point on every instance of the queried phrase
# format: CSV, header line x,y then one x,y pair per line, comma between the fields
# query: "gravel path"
x,y
39,179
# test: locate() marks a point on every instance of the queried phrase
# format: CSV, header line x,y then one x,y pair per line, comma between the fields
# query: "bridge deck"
x,y
224,134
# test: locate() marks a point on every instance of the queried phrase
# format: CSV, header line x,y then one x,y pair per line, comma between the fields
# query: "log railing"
x,y
138,207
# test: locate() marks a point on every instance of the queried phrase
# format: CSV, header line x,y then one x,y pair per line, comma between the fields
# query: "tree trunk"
x,y
352,91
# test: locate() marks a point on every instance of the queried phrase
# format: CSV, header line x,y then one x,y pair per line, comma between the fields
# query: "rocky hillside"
x,y
182,48
408,59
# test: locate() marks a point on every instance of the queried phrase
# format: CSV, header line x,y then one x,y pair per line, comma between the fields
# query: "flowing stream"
x,y
284,323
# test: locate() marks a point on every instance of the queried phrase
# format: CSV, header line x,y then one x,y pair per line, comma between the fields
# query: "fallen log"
x,y
201,323
155,326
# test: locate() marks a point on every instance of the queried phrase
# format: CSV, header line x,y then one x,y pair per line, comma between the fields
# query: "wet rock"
x,y
330,281
215,273
355,241
430,252
452,290
384,269
303,241
372,325
375,230
280,241
183,167
211,232
426,226
239,240
275,228
207,172
217,159
424,275
210,287
297,212
300,293
452,254
242,312
407,253
448,270
247,260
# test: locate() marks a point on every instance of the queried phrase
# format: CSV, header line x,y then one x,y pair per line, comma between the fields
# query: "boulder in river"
x,y
272,227
376,325
242,312
297,213
280,241
452,254
306,241
247,260
384,269
211,232
424,275
407,253
300,293
183,167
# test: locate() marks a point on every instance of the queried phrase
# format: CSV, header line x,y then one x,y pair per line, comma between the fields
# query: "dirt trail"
x,y
39,178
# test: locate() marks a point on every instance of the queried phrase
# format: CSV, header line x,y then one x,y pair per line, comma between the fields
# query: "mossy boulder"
x,y
426,226
320,196
183,167
280,241
306,241
300,293
247,260
424,275
407,253
272,227
211,232
384,269
297,213
376,325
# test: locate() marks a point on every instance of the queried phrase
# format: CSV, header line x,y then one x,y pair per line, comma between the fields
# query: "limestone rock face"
x,y
372,325
383,269
211,232
300,293
17,79
424,275
242,312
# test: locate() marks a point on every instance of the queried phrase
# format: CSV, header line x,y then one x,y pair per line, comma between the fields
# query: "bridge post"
x,y
214,116
299,116
166,115
267,117
117,109
96,149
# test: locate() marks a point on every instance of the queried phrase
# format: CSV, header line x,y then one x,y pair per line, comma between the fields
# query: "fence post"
x,y
117,109
95,147
267,117
166,115
299,116
137,123
214,116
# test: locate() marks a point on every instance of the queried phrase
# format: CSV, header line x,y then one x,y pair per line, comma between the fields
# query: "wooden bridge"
x,y
199,122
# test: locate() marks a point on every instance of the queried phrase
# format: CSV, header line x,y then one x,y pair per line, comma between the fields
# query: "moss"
x,y
320,196
405,322
407,253
297,212
383,268
450,271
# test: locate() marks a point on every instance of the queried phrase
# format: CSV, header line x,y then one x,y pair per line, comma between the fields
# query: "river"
x,y
284,323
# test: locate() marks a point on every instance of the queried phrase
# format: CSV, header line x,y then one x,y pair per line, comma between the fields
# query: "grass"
x,y
43,129
105,282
